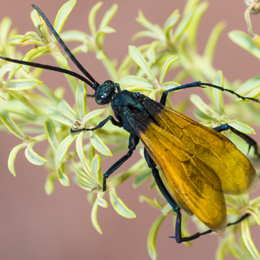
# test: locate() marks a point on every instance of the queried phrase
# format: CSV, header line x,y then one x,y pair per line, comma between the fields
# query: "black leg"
x,y
133,142
166,195
101,124
197,235
201,84
251,142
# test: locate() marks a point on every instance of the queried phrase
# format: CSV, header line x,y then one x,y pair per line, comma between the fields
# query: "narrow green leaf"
x,y
141,177
154,203
183,25
57,116
51,134
192,29
5,27
166,209
170,84
255,213
79,147
248,240
212,41
108,16
217,94
12,156
92,114
101,202
63,14
143,21
245,42
99,144
242,127
74,35
63,148
136,81
200,104
63,178
67,110
22,84
166,67
49,184
248,86
33,157
11,125
92,17
119,205
81,95
170,22
96,169
152,237
94,217
139,59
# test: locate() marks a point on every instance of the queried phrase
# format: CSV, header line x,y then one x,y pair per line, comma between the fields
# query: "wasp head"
x,y
104,92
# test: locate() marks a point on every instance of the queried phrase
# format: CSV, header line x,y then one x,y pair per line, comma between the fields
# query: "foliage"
x,y
43,115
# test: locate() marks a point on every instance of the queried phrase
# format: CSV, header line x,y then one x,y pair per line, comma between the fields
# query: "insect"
x,y
199,164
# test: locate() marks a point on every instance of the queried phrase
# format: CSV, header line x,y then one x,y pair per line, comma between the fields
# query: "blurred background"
x,y
34,225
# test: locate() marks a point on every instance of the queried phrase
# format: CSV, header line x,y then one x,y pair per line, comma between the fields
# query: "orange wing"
x,y
235,171
196,186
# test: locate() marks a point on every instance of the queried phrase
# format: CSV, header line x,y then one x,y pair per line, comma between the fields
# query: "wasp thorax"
x,y
105,92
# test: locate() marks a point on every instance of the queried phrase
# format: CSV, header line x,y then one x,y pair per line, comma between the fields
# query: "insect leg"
x,y
251,142
133,142
201,84
166,195
101,124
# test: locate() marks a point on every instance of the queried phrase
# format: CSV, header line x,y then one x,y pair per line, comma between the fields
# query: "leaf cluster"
x,y
43,115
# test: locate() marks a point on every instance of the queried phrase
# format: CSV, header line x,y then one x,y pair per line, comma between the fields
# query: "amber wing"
x,y
233,168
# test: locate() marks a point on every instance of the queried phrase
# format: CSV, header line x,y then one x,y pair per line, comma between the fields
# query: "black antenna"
x,y
66,49
49,67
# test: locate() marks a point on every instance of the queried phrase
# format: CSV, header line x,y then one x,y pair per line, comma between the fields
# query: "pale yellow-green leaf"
x,y
92,114
94,217
183,25
119,205
212,41
248,239
141,62
63,14
63,178
152,237
92,17
166,209
49,184
57,116
63,148
171,21
51,134
11,125
22,84
166,67
33,157
101,202
81,95
66,110
99,144
12,156
217,94
96,169
136,81
245,42
202,106
242,127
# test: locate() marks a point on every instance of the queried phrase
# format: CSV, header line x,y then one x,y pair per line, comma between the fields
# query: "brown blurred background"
x,y
36,226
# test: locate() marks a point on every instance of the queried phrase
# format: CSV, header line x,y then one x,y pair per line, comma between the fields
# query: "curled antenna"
x,y
66,49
